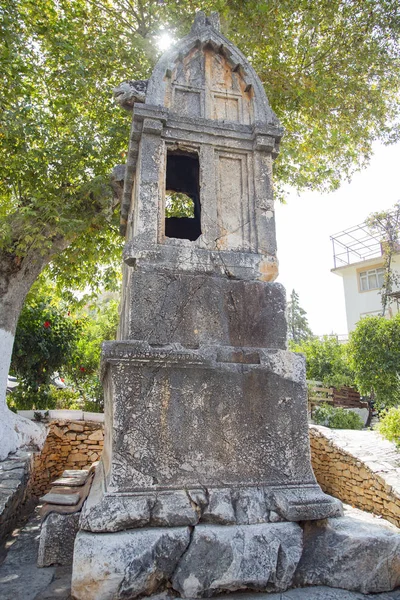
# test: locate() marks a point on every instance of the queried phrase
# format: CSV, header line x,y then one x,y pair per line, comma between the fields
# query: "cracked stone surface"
x,y
126,564
356,553
351,554
14,474
104,512
57,539
260,557
164,307
161,439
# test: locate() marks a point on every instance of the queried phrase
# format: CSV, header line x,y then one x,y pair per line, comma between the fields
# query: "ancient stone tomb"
x,y
206,463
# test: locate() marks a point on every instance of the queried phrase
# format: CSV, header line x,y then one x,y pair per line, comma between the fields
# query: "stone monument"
x,y
206,464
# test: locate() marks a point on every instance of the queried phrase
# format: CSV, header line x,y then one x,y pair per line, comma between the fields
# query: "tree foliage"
x,y
99,324
386,224
178,204
44,343
326,361
329,69
55,337
59,136
389,425
336,417
298,328
374,352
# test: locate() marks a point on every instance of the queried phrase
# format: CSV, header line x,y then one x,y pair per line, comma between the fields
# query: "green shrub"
x,y
27,397
65,398
389,425
45,340
45,397
336,418
93,406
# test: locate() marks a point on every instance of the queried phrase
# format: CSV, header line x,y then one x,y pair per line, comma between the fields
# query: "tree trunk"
x,y
16,278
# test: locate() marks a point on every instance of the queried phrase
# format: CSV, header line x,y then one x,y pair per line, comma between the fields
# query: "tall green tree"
x,y
327,361
374,351
329,69
386,224
298,328
99,323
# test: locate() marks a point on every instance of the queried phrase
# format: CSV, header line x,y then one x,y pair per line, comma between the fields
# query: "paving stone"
x,y
20,578
71,481
13,478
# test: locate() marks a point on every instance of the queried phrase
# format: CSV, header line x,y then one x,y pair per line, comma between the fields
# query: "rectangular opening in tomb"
x,y
182,196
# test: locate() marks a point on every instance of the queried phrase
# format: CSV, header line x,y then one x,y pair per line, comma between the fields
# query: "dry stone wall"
x,y
341,474
69,445
15,502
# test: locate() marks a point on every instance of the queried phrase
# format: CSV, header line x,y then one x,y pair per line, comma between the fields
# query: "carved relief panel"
x,y
205,84
234,202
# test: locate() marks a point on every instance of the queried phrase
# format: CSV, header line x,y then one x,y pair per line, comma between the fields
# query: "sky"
x,y
305,223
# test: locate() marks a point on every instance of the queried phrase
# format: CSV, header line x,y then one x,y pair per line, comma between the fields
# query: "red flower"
x,y
69,313
62,379
46,324
82,369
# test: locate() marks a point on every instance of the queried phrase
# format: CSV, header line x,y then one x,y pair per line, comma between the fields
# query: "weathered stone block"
x,y
96,435
76,427
306,504
195,310
126,564
243,423
351,554
257,557
57,537
102,513
219,509
173,509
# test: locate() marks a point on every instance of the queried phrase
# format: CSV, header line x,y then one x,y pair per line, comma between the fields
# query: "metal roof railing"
x,y
355,244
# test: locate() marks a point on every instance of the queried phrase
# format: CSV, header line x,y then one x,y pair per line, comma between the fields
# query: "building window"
x,y
182,196
371,280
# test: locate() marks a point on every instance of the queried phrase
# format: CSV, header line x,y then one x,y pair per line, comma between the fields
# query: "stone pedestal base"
x,y
210,559
195,563
106,511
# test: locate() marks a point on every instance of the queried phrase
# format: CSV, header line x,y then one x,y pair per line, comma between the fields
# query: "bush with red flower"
x,y
53,338
45,342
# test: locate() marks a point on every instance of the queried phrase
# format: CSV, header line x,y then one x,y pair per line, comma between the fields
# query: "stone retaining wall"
x,y
69,445
15,502
342,475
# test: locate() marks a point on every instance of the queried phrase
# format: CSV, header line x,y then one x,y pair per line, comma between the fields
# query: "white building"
x,y
358,259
